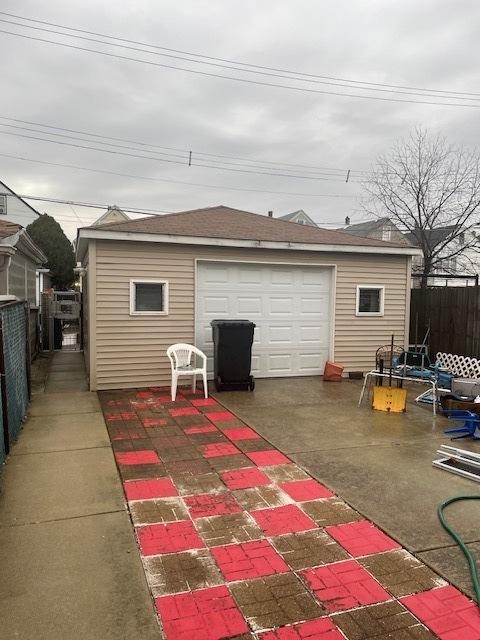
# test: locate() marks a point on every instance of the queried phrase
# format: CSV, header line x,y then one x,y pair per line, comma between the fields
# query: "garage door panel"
x,y
289,305
251,306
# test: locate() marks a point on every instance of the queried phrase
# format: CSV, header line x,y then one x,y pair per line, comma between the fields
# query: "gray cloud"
x,y
428,44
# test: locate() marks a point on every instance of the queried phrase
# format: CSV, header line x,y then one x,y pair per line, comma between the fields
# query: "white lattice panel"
x,y
461,366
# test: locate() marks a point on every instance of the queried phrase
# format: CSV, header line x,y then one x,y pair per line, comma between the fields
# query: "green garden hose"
x,y
472,563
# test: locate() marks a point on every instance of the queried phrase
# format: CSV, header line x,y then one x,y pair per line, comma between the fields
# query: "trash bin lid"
x,y
231,323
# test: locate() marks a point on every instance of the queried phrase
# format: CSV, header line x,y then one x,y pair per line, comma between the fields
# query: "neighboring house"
x,y
14,209
112,214
312,293
466,262
19,259
300,217
381,229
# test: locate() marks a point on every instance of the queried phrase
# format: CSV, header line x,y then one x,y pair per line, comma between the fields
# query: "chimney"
x,y
270,214
347,221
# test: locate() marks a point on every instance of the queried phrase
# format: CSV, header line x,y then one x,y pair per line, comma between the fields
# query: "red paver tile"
x,y
286,519
217,449
146,456
167,398
249,560
212,504
344,585
241,433
362,538
245,478
203,402
183,411
220,416
208,428
126,434
168,538
142,406
125,416
148,489
150,423
320,629
267,458
303,490
144,395
206,614
447,612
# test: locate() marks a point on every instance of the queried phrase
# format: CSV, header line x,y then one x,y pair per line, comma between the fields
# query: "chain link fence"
x,y
14,372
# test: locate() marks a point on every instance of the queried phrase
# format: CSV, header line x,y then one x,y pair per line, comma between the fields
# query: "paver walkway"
x,y
239,542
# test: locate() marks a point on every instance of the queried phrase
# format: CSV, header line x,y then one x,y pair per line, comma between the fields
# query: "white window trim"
x,y
363,314
133,312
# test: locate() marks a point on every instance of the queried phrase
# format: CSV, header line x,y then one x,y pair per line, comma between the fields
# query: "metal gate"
x,y
14,371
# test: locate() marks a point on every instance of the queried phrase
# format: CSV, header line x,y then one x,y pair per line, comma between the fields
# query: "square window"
x,y
148,297
370,300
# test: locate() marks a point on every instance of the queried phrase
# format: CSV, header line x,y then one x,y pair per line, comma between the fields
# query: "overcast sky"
x,y
415,43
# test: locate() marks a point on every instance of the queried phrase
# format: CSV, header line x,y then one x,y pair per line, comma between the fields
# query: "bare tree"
x,y
424,184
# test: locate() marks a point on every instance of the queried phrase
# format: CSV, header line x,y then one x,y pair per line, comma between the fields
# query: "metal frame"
x,y
432,383
467,457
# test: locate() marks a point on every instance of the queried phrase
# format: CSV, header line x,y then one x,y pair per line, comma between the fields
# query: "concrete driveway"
x,y
380,463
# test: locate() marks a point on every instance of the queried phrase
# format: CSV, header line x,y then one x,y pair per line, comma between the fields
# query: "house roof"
x,y
433,236
2,184
366,227
8,229
234,224
291,216
112,214
13,237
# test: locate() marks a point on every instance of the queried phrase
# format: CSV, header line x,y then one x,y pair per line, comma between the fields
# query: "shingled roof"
x,y
234,224
8,228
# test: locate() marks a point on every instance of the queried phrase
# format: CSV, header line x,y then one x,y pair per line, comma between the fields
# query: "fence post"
x,y
3,391
28,361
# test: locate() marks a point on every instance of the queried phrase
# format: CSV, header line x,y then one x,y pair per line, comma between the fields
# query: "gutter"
x,y
88,234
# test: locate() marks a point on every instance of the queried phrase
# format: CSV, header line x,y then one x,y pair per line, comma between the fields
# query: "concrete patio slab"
x,y
50,486
82,579
52,433
450,561
64,404
379,463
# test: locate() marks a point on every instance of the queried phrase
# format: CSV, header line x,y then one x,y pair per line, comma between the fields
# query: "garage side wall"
x,y
129,351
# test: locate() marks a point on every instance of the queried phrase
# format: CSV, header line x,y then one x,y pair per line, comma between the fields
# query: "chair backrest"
x,y
414,359
180,354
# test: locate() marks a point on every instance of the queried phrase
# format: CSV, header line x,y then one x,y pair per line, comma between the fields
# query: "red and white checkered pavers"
x,y
222,453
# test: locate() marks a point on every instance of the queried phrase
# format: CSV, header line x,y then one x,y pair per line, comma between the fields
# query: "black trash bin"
x,y
232,354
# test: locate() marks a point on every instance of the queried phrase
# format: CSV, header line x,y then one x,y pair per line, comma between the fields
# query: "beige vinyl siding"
x,y
130,350
22,278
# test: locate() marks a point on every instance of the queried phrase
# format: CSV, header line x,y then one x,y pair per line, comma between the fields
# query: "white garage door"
x,y
290,306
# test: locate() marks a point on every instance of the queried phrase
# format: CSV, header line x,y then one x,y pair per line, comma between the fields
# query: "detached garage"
x,y
313,294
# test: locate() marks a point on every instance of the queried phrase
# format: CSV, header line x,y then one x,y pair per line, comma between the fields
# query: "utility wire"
x,y
237,79
182,151
135,210
236,62
182,182
145,157
236,68
187,160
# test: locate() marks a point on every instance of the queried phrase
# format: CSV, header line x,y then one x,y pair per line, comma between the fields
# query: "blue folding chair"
x,y
470,427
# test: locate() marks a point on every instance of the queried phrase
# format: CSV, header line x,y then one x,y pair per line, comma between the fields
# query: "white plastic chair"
x,y
180,356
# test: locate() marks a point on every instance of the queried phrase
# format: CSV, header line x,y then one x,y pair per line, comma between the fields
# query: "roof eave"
x,y
86,234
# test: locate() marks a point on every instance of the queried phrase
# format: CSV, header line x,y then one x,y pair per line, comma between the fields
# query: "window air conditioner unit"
x,y
3,204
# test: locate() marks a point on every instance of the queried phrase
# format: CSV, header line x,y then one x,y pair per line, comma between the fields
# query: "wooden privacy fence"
x,y
453,314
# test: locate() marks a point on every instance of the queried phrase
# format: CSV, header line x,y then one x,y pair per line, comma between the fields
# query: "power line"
x,y
237,79
145,157
135,210
183,151
370,86
424,92
186,152
172,181
187,159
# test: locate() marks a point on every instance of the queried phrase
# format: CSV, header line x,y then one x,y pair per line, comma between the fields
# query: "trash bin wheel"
x,y
218,383
252,384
